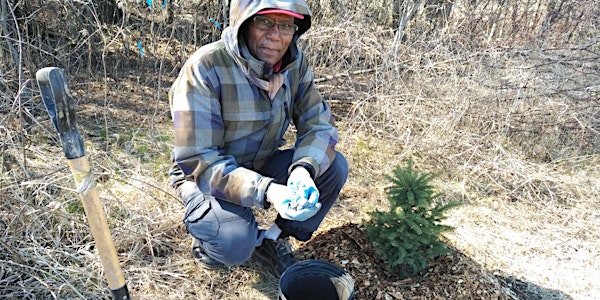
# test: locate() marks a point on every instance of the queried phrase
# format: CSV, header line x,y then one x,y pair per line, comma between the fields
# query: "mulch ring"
x,y
452,276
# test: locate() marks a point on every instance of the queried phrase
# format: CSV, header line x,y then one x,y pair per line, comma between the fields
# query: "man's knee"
x,y
233,245
341,166
337,173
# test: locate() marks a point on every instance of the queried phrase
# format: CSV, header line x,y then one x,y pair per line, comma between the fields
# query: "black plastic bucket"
x,y
315,280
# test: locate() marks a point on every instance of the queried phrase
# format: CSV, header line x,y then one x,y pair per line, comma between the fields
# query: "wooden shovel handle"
x,y
86,186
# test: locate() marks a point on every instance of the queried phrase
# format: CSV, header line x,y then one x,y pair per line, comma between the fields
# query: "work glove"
x,y
304,187
286,202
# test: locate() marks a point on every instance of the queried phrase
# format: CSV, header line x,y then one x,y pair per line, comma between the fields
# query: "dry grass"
x,y
510,122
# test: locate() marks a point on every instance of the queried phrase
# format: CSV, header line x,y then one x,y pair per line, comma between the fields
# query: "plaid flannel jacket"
x,y
230,113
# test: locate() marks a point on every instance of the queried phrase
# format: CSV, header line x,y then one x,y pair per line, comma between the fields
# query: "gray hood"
x,y
242,10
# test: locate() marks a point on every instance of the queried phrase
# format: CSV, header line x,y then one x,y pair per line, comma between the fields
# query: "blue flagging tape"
x,y
141,49
215,22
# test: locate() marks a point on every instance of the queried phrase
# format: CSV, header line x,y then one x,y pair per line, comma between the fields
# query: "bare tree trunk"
x,y
225,13
405,14
5,32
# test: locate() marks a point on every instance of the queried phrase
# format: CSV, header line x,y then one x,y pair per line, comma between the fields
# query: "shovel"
x,y
60,105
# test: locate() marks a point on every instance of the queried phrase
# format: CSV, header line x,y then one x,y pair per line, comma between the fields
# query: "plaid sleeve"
x,y
317,135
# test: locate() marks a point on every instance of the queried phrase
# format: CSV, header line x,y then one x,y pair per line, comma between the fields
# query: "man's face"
x,y
270,45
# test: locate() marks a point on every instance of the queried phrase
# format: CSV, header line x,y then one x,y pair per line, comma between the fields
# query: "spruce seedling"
x,y
408,235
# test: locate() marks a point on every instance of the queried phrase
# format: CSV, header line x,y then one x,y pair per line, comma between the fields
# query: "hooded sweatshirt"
x,y
230,111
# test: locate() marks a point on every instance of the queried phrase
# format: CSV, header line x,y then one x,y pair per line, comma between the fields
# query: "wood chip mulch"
x,y
453,276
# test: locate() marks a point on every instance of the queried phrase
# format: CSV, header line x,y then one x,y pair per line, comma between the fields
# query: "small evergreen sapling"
x,y
409,234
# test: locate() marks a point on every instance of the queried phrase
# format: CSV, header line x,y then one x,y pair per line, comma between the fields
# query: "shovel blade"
x,y
60,105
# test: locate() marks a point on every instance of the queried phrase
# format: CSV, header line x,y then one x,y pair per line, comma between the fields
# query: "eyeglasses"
x,y
285,28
